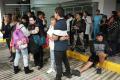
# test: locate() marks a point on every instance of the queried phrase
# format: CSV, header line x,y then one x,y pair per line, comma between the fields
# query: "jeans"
x,y
60,56
24,53
96,31
52,59
81,36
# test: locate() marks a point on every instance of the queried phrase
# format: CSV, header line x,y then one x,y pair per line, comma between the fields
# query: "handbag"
x,y
39,40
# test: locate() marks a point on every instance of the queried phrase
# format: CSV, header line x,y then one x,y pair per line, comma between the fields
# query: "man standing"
x,y
61,44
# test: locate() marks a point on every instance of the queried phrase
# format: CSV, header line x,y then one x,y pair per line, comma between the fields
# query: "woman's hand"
x,y
54,37
64,38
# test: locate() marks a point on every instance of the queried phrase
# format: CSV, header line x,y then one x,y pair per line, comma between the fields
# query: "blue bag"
x,y
39,40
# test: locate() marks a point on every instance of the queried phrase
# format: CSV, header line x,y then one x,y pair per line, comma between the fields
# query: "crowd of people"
x,y
28,34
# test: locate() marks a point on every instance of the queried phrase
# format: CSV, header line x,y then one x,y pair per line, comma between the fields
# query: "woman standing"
x,y
34,47
88,21
20,43
6,30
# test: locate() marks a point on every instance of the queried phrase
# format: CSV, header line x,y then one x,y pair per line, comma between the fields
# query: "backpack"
x,y
19,38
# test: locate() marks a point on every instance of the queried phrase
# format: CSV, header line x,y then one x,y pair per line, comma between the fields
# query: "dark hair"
x,y
105,16
81,14
60,11
98,10
33,17
40,13
52,17
70,15
100,34
87,13
114,12
32,13
25,17
15,18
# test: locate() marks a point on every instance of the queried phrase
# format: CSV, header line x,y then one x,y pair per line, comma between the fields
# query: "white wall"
x,y
109,6
100,4
106,6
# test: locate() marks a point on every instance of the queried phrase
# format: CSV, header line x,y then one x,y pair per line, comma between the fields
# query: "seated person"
x,y
99,50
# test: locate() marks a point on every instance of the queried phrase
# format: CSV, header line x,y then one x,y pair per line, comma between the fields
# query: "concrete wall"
x,y
109,6
100,4
118,6
48,6
106,6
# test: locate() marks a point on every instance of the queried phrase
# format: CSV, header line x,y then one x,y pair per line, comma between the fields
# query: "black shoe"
x,y
68,75
40,67
27,70
16,69
75,73
10,56
11,60
58,78
99,70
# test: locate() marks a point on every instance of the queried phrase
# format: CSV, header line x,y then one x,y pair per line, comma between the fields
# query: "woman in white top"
x,y
51,44
88,21
50,33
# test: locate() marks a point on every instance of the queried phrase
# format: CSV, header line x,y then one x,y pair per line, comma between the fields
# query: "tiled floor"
x,y
6,71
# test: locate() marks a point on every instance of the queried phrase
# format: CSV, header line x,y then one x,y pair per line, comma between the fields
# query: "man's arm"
x,y
61,38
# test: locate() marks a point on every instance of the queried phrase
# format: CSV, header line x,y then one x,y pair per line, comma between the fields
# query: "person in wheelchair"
x,y
99,50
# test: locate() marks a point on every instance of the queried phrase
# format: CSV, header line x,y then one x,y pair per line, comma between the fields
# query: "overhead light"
x,y
17,4
23,0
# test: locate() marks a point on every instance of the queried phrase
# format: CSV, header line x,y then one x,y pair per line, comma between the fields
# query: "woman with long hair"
x,y
20,43
34,46
6,31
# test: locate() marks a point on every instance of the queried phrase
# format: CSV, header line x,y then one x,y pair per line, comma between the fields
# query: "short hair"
x,y
97,10
25,17
114,12
40,13
86,12
60,11
52,17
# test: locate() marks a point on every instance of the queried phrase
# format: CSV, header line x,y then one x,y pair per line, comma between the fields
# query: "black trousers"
x,y
113,46
8,44
38,57
59,58
86,40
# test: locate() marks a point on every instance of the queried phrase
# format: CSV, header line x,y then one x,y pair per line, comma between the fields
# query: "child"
x,y
51,44
20,42
99,50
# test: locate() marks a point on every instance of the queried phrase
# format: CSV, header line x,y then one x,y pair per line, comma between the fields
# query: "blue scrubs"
x,y
96,28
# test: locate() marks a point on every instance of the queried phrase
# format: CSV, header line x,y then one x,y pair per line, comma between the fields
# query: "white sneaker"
x,y
50,70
